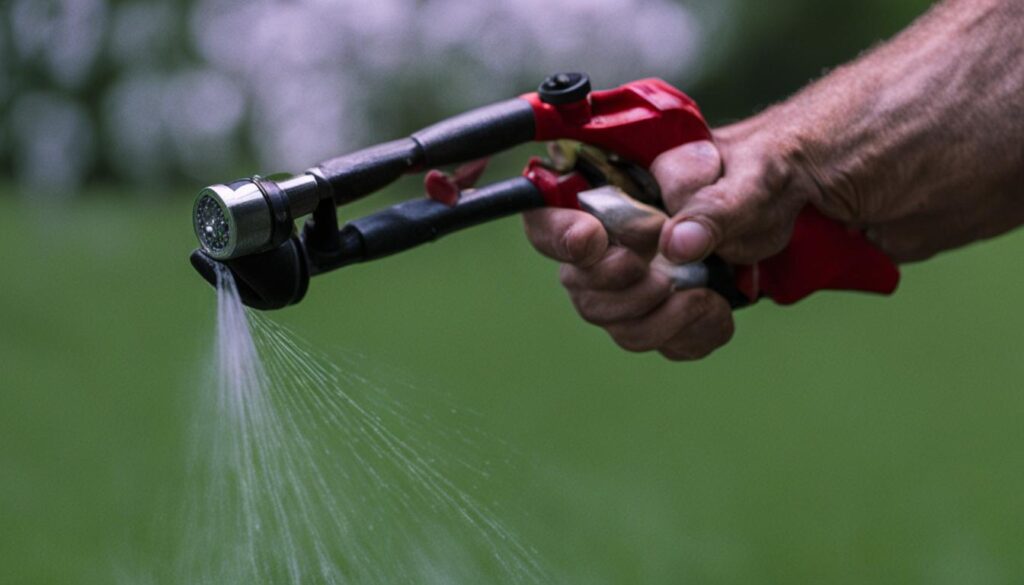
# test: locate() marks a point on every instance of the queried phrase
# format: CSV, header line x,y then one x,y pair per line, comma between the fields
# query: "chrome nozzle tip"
x,y
212,221
250,216
233,220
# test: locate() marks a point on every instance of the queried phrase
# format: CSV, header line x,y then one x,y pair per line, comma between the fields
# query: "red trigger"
x,y
441,188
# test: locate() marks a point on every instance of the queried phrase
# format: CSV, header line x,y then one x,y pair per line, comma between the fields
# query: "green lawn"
x,y
850,439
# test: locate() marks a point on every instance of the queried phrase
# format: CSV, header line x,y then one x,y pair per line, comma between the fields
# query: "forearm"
x,y
927,128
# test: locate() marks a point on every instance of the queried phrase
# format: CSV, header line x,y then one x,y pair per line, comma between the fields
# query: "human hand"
x,y
743,216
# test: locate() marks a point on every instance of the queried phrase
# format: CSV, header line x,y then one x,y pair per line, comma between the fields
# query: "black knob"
x,y
564,88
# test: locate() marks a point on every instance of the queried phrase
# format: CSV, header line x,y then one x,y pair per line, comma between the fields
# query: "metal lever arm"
x,y
637,226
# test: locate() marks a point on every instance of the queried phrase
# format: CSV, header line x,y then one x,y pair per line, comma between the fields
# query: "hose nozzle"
x,y
250,216
248,227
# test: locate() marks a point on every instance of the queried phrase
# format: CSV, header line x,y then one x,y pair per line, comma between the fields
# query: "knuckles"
x,y
583,243
590,308
700,344
704,324
686,354
618,269
631,338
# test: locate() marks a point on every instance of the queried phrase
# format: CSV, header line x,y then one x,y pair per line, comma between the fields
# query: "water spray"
x,y
601,144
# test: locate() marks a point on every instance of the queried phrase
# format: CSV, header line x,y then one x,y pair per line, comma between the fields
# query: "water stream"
x,y
305,471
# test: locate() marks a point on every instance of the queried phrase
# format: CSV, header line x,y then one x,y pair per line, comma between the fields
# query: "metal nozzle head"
x,y
251,215
212,226
233,220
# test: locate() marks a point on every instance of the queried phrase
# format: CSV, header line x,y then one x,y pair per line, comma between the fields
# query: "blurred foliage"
x,y
124,90
772,49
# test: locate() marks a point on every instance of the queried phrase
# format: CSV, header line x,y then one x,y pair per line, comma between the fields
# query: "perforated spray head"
x,y
251,215
232,220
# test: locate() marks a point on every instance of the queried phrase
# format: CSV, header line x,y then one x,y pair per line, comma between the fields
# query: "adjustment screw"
x,y
564,88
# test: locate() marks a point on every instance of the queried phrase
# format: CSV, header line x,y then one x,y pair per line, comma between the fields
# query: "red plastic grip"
x,y
822,255
642,119
637,121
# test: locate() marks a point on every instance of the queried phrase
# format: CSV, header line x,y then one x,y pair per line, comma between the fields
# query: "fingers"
x,y
628,222
686,169
683,173
637,307
618,269
703,222
738,198
740,217
600,307
705,334
688,325
566,235
615,288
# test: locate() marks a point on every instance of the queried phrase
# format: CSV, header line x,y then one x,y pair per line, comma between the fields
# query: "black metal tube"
x,y
477,133
417,222
472,135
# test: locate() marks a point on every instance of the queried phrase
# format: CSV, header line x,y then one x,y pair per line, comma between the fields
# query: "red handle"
x,y
638,121
644,118
822,255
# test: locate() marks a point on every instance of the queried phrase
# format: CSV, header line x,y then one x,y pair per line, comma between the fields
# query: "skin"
x,y
920,143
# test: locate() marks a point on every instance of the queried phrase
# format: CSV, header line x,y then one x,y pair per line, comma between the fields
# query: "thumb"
x,y
689,240
682,173
685,170
739,220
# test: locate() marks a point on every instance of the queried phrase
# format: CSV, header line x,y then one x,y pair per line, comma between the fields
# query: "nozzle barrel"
x,y
251,215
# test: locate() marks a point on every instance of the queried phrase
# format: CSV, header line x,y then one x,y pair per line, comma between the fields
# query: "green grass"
x,y
850,439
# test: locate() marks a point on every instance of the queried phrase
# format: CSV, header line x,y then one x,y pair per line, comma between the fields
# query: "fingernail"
x,y
689,242
702,149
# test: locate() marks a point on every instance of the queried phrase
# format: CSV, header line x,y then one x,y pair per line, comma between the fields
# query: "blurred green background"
x,y
850,439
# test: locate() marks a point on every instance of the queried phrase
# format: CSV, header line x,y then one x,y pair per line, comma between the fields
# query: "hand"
x,y
743,216
615,288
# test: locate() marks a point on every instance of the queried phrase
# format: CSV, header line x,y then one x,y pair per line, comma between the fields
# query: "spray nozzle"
x,y
250,216
247,227
267,280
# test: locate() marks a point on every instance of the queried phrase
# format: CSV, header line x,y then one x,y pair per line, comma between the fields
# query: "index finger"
x,y
566,235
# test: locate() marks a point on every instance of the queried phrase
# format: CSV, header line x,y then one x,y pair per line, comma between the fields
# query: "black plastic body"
x,y
420,221
474,134
269,280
